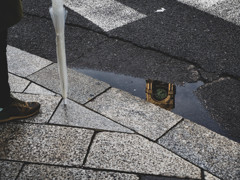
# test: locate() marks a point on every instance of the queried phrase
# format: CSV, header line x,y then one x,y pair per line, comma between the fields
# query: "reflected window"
x,y
161,94
159,91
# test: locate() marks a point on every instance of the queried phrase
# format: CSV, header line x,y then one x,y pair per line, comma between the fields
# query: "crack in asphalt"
x,y
198,67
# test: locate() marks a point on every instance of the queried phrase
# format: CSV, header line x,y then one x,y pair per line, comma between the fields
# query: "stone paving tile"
x,y
32,171
209,150
81,87
22,63
17,84
208,176
144,177
135,113
48,106
44,143
36,89
133,153
77,115
9,170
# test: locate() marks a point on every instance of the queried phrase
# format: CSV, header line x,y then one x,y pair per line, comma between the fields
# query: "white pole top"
x,y
57,4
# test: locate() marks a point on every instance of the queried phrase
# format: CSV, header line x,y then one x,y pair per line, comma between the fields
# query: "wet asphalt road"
x,y
181,44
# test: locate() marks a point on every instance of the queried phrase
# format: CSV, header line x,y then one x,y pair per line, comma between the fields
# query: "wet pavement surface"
x,y
183,59
96,51
108,134
190,100
183,46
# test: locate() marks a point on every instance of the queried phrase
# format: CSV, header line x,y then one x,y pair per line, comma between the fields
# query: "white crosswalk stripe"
x,y
111,14
228,10
107,14
201,4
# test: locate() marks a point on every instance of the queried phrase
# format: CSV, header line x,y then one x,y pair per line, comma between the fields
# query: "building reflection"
x,y
161,94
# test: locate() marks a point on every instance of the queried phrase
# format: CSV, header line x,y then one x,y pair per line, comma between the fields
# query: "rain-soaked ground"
x,y
190,47
180,99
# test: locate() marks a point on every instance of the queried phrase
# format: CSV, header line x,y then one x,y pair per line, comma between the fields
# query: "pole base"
x,y
65,102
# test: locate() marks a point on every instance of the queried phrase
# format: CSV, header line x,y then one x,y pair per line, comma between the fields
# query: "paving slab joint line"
x,y
135,173
92,99
155,143
172,151
80,127
42,87
40,70
26,87
62,125
167,177
64,166
114,122
20,171
86,168
170,129
202,174
99,130
202,169
20,77
84,105
69,126
89,147
55,110
41,163
37,163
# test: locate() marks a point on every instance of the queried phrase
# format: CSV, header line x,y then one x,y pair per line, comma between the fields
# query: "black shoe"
x,y
19,110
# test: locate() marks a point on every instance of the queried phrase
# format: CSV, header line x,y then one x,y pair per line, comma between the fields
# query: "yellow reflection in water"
x,y
161,94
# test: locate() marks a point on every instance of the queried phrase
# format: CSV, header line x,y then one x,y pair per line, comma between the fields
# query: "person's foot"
x,y
18,109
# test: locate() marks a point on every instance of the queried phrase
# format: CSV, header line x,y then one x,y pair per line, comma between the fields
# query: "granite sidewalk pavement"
x,y
103,133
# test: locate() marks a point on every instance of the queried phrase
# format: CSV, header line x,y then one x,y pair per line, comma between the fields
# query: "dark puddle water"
x,y
178,99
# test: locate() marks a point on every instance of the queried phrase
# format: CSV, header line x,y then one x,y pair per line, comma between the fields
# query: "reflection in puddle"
x,y
161,94
178,99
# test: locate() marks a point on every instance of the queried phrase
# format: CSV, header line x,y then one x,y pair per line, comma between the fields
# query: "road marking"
x,y
160,10
107,14
228,10
225,9
203,4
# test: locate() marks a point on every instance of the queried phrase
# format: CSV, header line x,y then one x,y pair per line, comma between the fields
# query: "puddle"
x,y
178,99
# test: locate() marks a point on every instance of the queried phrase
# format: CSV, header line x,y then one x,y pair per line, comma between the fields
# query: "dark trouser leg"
x,y
4,85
